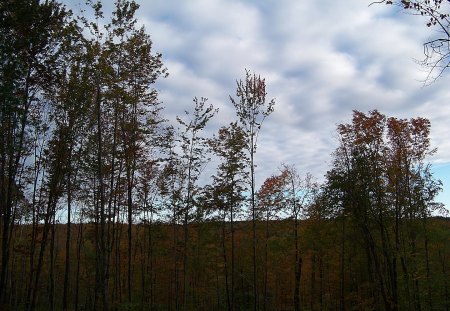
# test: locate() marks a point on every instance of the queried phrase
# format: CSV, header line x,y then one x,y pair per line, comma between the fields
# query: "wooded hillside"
x,y
334,267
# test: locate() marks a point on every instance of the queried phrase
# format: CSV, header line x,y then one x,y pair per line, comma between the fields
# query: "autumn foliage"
x,y
104,204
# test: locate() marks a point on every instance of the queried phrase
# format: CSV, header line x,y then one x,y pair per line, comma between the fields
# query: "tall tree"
x,y
373,171
228,186
271,200
125,113
171,183
136,70
57,156
147,196
194,151
69,94
252,108
29,45
301,193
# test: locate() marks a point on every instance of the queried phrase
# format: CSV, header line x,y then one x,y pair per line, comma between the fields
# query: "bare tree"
x,y
437,17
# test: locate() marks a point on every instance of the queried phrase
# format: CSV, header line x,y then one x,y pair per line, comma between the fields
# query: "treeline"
x,y
334,271
84,141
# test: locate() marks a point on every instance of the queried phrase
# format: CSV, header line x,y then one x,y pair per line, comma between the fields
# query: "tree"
x,y
301,194
252,109
124,118
147,196
193,146
271,200
228,189
437,17
68,94
136,69
171,183
29,48
57,170
381,181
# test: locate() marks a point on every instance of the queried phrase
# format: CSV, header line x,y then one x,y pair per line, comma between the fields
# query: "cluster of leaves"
x,y
381,185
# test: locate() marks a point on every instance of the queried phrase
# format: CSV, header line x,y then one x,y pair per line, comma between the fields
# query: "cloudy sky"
x,y
321,60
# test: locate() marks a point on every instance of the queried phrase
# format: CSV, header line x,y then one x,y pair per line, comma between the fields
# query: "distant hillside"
x,y
333,271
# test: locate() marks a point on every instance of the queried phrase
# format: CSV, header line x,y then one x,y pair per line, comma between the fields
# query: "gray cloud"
x,y
321,60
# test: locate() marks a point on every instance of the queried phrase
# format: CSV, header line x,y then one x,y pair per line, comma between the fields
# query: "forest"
x,y
104,204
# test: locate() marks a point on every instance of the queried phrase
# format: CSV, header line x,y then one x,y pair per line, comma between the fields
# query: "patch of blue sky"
x,y
441,171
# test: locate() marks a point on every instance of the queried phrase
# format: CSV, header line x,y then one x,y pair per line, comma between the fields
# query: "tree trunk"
x,y
68,237
6,202
77,278
102,281
51,294
225,262
252,173
297,267
233,275
342,292
46,230
266,263
130,227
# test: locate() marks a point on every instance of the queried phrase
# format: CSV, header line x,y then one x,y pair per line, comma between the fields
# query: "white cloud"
x,y
321,60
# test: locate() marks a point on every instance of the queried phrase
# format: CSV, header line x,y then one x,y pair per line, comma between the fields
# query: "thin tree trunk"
x,y
313,281
114,227
51,297
35,227
233,274
6,202
427,261
175,284
46,230
252,172
102,262
266,258
54,190
225,261
117,267
143,273
130,227
321,294
68,237
79,246
112,200
150,259
298,266
186,222
342,292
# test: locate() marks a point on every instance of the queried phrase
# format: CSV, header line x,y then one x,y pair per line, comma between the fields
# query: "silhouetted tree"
x,y
252,108
437,18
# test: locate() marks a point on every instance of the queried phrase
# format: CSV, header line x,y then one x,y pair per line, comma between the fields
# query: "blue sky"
x,y
321,59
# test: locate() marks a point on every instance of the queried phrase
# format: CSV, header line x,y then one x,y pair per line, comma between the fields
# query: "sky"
x,y
321,60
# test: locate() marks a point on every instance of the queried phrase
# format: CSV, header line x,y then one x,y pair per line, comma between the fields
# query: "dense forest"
x,y
104,204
